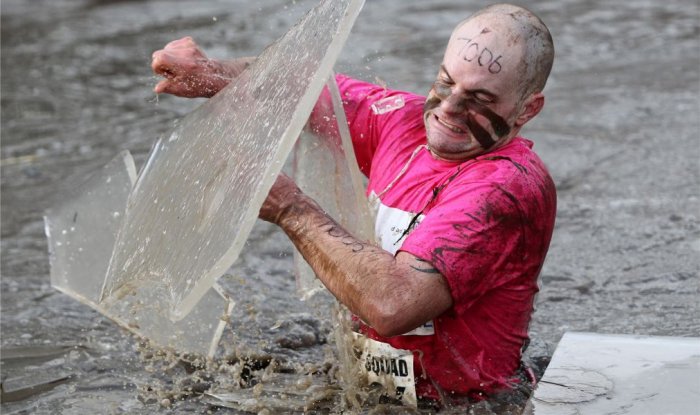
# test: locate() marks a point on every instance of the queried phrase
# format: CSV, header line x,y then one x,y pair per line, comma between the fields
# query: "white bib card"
x,y
390,367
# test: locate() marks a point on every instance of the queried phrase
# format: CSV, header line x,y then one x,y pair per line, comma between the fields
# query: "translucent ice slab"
x,y
593,374
325,168
198,196
79,256
81,234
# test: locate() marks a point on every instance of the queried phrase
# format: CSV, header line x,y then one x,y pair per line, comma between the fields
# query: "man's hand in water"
x,y
189,73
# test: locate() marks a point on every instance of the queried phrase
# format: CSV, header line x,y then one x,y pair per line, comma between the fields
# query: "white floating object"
x,y
594,374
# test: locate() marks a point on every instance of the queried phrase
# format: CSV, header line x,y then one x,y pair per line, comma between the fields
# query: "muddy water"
x,y
619,133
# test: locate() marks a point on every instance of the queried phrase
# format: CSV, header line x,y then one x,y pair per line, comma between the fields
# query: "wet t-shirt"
x,y
484,223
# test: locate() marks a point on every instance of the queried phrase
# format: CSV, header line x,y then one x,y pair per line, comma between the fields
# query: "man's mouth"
x,y
449,126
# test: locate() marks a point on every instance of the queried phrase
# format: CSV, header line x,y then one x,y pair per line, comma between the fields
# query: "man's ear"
x,y
532,106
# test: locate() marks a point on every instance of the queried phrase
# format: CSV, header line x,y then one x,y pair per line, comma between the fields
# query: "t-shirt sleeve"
x,y
471,236
367,128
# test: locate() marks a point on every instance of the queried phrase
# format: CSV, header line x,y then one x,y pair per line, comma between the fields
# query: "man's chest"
x,y
392,224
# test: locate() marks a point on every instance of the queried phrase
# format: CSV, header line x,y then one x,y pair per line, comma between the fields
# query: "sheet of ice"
x,y
325,168
594,374
82,232
198,196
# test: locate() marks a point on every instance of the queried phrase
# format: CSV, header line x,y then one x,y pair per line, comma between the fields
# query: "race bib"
x,y
390,367
427,329
392,224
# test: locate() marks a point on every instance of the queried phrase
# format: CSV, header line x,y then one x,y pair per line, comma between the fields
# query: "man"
x,y
465,208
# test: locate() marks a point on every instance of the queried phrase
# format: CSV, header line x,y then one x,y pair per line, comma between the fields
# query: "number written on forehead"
x,y
471,51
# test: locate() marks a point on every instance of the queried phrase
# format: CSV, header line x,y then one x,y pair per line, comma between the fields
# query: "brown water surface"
x,y
619,133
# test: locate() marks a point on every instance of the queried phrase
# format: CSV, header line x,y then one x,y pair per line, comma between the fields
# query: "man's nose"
x,y
455,103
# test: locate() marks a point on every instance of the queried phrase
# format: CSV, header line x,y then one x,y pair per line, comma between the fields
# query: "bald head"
x,y
522,35
489,83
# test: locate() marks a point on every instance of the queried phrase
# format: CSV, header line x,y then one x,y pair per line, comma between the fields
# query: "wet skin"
x,y
476,104
463,109
482,135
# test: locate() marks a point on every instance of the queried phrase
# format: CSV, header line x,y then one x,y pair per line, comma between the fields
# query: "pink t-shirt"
x,y
484,223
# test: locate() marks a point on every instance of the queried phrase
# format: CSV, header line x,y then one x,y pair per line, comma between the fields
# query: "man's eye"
x,y
484,98
442,88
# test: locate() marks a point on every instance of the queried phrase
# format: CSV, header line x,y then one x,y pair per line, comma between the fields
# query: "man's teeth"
x,y
451,127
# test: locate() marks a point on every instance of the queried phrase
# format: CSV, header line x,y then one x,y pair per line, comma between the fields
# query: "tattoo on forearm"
x,y
426,270
429,270
334,230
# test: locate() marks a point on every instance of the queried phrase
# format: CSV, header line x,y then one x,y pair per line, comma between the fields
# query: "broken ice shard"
x,y
196,200
81,233
325,168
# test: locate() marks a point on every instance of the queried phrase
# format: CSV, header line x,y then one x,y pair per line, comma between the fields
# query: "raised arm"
x,y
393,294
189,73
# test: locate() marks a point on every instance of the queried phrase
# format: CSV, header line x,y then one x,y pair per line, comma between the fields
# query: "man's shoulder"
x,y
516,160
351,87
514,172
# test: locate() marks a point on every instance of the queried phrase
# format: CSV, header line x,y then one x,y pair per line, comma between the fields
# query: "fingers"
x,y
183,87
185,42
185,69
163,64
179,49
157,62
162,87
176,87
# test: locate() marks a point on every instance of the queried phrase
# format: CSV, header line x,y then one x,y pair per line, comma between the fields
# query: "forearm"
x,y
342,262
231,68
222,72
391,294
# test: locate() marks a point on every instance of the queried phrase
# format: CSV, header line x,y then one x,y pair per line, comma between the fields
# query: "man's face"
x,y
474,103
